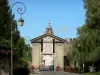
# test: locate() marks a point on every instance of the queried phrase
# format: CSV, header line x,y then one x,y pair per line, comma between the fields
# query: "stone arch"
x,y
48,60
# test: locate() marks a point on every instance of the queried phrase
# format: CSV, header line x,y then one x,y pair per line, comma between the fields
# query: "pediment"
x,y
47,38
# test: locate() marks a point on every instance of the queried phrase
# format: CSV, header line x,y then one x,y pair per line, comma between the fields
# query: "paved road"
x,y
55,73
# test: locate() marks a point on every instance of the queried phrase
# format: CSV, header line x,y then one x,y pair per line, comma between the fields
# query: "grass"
x,y
94,73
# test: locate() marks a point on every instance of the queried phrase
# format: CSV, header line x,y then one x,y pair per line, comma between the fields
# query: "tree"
x,y
92,13
93,24
20,49
4,18
89,34
6,21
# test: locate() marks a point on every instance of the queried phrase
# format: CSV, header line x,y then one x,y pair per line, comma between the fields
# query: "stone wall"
x,y
59,49
67,47
4,65
36,48
69,40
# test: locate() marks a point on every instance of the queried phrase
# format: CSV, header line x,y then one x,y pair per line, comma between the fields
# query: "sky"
x,y
64,15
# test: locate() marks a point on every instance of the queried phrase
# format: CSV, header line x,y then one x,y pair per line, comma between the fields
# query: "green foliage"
x,y
93,14
6,21
30,54
20,47
94,73
93,24
88,35
74,55
20,62
5,44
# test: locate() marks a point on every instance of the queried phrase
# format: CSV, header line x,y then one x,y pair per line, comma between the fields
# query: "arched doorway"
x,y
47,62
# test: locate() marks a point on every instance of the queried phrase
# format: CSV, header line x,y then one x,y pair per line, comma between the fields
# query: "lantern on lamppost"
x,y
19,10
21,22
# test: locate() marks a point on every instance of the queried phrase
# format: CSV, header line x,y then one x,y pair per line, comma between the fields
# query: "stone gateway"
x,y
48,51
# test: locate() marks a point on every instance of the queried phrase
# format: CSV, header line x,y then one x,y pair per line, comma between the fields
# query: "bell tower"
x,y
49,29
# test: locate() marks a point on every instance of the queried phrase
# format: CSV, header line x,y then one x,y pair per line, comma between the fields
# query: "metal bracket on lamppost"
x,y
21,22
20,11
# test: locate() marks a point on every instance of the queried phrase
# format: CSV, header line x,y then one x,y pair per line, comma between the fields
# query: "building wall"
x,y
59,49
36,48
67,47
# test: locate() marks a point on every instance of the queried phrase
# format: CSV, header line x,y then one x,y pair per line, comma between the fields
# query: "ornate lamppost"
x,y
21,23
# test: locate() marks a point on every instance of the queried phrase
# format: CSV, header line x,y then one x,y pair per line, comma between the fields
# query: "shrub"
x,y
21,71
76,69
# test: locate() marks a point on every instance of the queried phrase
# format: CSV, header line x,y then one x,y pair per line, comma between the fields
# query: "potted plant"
x,y
57,68
68,69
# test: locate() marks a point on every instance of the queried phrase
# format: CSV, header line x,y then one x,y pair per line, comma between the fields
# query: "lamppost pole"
x,y
21,22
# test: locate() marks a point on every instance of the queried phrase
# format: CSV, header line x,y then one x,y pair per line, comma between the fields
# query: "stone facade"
x,y
36,48
49,49
59,49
